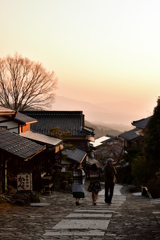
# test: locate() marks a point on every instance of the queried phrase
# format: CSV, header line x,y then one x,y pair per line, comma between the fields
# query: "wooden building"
x,y
72,121
17,156
20,125
134,137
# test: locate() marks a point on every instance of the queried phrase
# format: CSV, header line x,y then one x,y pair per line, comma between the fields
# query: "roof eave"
x,y
39,151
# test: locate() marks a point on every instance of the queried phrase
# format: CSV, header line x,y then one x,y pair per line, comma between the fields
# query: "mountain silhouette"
x,y
116,115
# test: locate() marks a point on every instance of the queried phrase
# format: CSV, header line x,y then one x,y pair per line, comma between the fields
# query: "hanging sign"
x,y
24,181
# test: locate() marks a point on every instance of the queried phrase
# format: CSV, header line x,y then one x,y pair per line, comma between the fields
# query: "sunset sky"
x,y
100,50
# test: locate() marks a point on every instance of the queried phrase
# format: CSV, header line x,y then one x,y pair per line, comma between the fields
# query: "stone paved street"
x,y
129,217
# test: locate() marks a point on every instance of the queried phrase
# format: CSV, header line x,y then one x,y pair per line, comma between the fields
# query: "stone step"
x,y
75,233
82,224
89,221
39,204
95,210
89,215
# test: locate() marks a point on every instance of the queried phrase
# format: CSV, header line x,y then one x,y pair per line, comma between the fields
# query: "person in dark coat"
x,y
78,183
94,185
109,176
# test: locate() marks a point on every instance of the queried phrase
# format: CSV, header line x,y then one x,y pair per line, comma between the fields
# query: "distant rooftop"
x,y
141,123
100,141
130,135
94,161
76,155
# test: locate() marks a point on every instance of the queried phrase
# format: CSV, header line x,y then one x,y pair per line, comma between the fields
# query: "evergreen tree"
x,y
152,141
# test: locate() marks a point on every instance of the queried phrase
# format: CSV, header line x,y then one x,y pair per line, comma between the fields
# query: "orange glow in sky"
x,y
100,50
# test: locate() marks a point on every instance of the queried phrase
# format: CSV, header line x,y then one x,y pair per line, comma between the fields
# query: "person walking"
x,y
94,185
78,183
109,177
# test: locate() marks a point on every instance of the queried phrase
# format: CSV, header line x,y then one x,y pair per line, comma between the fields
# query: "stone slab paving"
x,y
97,210
157,216
154,201
93,220
39,204
134,218
137,193
116,190
82,224
85,215
76,233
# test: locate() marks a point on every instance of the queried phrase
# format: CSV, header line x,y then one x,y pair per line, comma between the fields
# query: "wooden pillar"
x,y
2,174
5,175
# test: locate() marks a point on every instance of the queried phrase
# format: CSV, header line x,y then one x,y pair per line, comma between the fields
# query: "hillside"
x,y
115,115
101,130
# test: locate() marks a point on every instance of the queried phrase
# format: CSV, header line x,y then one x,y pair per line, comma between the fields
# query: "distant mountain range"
x,y
101,130
115,115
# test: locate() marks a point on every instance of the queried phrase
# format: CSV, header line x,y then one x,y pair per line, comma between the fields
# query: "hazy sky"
x,y
100,50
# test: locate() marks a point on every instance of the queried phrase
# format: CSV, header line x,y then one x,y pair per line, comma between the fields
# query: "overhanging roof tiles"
x,y
141,123
41,138
19,117
88,130
130,135
18,146
6,111
94,161
75,155
101,140
24,118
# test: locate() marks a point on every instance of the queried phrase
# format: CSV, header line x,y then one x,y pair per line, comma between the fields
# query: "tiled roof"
x,y
75,155
94,161
88,130
100,141
73,121
41,138
6,111
18,146
130,135
22,118
141,123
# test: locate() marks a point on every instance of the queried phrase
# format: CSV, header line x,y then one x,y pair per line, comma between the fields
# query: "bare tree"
x,y
25,84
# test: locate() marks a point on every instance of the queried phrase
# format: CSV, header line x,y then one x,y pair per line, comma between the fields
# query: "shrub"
x,y
153,186
68,175
58,176
139,170
124,174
